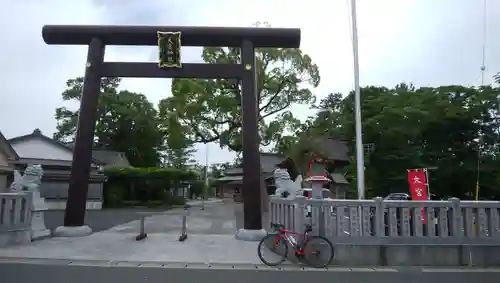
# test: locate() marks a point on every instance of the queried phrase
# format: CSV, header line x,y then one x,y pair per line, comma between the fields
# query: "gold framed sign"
x,y
169,49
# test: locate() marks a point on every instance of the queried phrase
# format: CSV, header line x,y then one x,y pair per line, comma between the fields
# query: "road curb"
x,y
235,266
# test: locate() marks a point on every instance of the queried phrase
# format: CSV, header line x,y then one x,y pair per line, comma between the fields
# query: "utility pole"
x,y
360,160
205,185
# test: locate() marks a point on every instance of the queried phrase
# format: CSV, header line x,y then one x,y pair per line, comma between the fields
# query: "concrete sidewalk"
x,y
160,247
210,240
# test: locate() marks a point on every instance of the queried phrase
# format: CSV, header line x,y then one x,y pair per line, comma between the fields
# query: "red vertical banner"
x,y
417,179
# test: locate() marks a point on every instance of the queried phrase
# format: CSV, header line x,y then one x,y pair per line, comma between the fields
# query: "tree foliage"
x,y
126,122
179,148
448,128
210,110
217,170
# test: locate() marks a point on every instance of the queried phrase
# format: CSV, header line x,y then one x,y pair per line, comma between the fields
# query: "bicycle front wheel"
x,y
318,252
270,252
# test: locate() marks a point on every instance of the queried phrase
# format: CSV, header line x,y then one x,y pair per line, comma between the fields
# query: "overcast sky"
x,y
427,42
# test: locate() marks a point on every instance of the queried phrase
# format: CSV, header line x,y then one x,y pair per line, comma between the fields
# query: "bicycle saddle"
x,y
308,228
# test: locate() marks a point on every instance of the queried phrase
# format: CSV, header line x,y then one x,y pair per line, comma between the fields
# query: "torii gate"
x,y
169,41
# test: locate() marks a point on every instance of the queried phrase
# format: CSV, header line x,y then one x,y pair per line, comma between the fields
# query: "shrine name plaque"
x,y
169,49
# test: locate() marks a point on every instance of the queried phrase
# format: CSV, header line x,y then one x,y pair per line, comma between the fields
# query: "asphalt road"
x,y
26,273
98,220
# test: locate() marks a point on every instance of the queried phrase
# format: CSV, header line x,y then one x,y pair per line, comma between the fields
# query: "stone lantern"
x,y
317,176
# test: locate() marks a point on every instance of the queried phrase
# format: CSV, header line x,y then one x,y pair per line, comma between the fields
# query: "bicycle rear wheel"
x,y
270,252
318,252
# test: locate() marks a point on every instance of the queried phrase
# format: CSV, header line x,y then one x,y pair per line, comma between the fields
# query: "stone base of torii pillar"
x,y
70,232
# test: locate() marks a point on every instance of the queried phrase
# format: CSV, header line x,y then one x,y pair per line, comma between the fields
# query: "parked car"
x,y
397,196
406,197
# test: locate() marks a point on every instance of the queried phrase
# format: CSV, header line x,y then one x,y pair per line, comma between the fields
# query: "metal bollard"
x,y
142,234
184,235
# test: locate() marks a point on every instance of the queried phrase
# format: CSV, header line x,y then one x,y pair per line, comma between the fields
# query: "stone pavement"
x,y
105,219
122,246
216,219
210,240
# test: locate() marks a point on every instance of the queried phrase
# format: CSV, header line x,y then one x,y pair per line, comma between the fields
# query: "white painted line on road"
x,y
460,270
181,265
197,265
362,269
385,269
127,264
223,266
339,269
151,265
36,261
217,266
92,263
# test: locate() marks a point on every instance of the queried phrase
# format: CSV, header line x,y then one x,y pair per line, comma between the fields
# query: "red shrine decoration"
x,y
317,170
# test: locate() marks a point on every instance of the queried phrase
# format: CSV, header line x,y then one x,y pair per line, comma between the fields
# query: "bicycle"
x,y
308,249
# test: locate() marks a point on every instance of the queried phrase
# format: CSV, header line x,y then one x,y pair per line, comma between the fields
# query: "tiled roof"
x,y
111,158
6,148
233,171
269,161
339,179
44,162
331,148
38,134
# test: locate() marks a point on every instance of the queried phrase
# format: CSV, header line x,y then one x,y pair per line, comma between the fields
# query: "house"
x,y
55,157
7,156
230,183
335,152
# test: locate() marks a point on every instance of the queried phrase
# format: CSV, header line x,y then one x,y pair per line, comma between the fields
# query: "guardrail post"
x,y
321,219
299,214
456,215
379,217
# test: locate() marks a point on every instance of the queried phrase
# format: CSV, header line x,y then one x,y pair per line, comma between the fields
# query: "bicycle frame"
x,y
287,236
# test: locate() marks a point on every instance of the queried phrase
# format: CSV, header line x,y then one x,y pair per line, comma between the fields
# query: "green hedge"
x,y
169,174
151,187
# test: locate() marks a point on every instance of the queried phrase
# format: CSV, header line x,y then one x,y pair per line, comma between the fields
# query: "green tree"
x,y
179,149
126,122
449,128
217,170
211,109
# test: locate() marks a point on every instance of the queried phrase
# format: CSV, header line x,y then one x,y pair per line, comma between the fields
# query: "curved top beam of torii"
x,y
191,36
